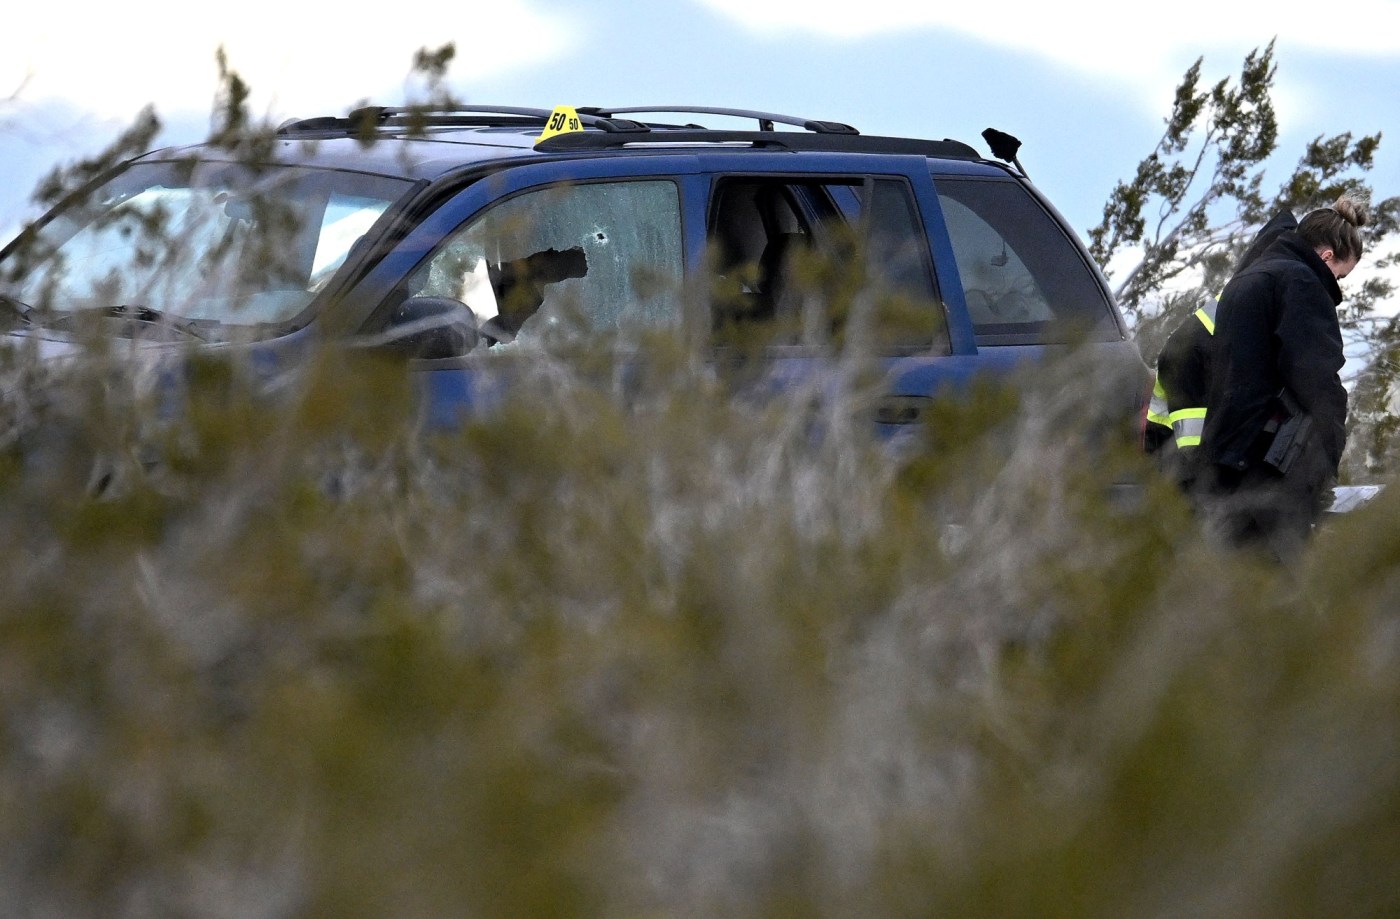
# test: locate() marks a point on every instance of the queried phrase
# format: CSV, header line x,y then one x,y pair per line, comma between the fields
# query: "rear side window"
x,y
791,268
1024,279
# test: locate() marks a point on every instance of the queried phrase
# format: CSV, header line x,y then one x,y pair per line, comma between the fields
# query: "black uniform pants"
x,y
1261,508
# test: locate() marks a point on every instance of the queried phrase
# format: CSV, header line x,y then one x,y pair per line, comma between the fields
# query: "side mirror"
x,y
431,327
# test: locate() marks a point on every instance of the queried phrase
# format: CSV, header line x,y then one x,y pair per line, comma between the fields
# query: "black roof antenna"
x,y
1004,147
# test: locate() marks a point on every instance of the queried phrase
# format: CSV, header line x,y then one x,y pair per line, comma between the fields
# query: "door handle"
x,y
901,409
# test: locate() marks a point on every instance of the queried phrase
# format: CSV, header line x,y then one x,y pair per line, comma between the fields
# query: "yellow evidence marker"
x,y
563,120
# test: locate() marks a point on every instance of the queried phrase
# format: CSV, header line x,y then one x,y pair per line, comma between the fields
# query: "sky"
x,y
1085,85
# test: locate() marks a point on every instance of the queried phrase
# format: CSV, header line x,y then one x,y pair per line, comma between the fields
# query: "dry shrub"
x,y
638,642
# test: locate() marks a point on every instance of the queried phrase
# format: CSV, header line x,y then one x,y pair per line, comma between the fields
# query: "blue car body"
x,y
411,185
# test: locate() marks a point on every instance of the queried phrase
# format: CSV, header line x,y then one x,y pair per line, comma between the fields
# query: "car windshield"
x,y
208,244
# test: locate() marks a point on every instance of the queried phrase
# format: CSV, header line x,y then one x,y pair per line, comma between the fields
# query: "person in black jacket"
x,y
1277,354
1177,414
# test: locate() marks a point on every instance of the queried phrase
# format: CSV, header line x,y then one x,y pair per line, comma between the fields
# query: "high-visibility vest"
x,y
1186,422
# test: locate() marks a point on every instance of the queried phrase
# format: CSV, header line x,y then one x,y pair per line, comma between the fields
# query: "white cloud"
x,y
1099,37
112,58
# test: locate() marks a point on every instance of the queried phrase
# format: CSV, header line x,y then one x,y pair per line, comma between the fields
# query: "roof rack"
x,y
767,121
782,140
609,130
371,118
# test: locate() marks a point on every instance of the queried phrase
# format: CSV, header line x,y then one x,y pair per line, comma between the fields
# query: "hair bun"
x,y
1352,209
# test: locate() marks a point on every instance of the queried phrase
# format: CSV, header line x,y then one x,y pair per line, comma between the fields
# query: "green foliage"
x,y
1196,200
656,648
434,63
231,121
431,66
1209,154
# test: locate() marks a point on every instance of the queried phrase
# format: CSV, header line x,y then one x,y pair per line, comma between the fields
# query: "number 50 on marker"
x,y
563,120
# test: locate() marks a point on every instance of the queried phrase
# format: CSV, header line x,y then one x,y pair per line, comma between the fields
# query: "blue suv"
x,y
452,236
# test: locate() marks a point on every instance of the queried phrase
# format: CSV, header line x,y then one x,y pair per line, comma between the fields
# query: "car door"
x,y
589,246
830,259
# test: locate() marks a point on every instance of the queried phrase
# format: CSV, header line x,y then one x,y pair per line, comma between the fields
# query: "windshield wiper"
x,y
154,316
19,308
137,313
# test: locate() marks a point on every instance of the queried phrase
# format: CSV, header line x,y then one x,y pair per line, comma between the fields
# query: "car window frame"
x,y
854,171
1112,329
459,199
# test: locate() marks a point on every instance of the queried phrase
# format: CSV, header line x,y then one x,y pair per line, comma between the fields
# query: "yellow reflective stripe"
x,y
1188,425
1207,315
1157,407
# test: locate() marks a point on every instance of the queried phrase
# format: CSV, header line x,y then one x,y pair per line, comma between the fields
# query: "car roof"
x,y
397,156
426,143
